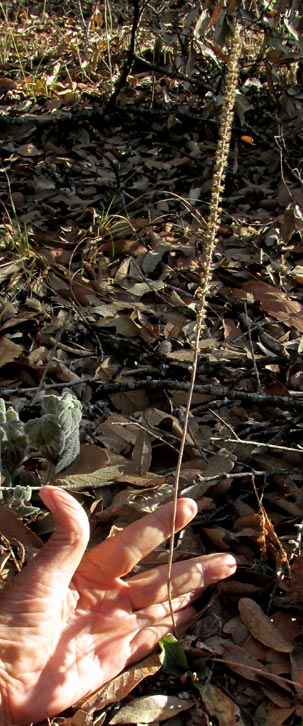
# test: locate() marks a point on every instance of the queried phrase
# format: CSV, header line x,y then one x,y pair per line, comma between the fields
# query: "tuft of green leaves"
x,y
172,656
55,434
13,441
176,662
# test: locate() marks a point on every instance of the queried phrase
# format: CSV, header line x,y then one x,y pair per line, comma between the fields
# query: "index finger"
x,y
118,555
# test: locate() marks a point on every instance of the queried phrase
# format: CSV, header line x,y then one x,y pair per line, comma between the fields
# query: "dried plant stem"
x,y
206,262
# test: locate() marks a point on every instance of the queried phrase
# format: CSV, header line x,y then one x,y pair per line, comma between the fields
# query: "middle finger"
x,y
151,587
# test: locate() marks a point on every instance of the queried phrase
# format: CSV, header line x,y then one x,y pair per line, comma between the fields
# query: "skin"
x,y
70,623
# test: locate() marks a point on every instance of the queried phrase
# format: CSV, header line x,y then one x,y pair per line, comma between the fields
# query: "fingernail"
x,y
229,565
219,566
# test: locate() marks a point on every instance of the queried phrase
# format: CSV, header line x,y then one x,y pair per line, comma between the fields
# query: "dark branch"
x,y
148,384
129,59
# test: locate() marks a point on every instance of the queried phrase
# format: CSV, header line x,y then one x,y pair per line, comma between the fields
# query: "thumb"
x,y
56,562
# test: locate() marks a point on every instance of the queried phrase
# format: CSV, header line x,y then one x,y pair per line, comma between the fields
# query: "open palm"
x,y
69,623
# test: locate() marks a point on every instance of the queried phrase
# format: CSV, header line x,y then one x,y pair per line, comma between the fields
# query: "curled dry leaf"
x,y
261,627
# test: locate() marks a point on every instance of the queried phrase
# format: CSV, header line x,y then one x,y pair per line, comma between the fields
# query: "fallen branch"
x,y
217,392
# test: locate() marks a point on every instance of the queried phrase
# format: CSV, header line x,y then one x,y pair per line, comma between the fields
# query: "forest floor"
x,y
103,216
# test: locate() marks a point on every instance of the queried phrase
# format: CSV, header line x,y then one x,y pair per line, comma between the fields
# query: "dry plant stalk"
x,y
206,261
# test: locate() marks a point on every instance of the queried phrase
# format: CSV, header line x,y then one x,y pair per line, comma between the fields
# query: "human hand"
x,y
69,623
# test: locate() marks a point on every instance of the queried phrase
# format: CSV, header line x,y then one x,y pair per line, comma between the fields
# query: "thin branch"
x,y
257,443
248,325
47,386
258,671
164,71
129,58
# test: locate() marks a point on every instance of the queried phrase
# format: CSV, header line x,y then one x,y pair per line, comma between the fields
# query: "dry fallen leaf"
x,y
275,716
261,627
9,269
277,303
123,684
12,527
220,464
98,478
28,150
243,663
151,708
9,351
6,83
218,704
142,453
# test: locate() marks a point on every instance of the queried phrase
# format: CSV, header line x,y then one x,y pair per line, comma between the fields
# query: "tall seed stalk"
x,y
206,259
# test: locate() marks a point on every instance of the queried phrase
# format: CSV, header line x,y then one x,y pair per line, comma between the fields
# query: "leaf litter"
x,y
103,221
